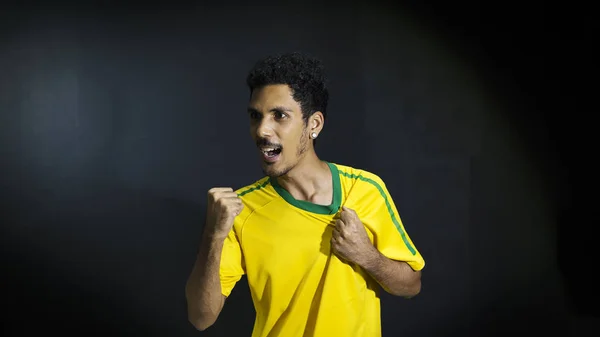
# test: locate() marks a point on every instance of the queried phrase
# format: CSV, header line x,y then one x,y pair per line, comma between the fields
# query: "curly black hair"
x,y
304,74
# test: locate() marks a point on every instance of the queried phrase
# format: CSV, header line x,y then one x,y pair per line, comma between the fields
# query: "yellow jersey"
x,y
282,245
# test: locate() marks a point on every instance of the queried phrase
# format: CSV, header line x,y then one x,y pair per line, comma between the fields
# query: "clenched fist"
x,y
349,239
223,206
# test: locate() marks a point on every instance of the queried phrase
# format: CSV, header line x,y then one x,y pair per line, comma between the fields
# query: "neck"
x,y
309,180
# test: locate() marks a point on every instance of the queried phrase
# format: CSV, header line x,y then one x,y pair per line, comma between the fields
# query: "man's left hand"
x,y
349,239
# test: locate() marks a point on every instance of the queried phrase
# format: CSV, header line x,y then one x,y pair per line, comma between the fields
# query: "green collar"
x,y
309,206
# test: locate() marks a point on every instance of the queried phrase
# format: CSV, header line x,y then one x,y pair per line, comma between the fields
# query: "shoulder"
x,y
256,194
352,175
364,191
255,186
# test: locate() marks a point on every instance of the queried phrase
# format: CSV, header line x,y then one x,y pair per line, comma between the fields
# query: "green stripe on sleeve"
x,y
254,188
387,204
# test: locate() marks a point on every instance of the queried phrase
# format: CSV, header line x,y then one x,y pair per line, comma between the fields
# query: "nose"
x,y
264,129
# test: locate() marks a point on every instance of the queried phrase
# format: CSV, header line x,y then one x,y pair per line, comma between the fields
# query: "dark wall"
x,y
116,121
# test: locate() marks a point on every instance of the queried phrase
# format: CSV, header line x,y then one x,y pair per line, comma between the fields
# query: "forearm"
x,y
203,288
395,277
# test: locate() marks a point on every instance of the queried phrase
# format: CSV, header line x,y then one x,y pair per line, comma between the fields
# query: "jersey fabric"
x,y
282,245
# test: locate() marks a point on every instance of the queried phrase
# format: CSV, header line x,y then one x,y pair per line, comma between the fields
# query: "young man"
x,y
315,239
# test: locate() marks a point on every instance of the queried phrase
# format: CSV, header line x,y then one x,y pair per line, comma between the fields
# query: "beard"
x,y
272,172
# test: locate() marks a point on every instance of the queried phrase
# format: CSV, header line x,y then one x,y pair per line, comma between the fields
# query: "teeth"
x,y
267,149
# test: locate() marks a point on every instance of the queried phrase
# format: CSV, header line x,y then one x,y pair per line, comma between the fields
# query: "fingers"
x,y
339,224
224,196
338,231
220,189
348,214
337,228
234,203
226,199
335,237
239,207
221,192
336,246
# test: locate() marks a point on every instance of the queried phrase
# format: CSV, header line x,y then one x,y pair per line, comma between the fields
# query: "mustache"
x,y
266,143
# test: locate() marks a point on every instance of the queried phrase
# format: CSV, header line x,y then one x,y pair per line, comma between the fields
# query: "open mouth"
x,y
270,153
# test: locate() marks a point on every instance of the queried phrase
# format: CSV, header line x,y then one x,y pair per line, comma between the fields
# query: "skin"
x,y
350,242
203,288
276,120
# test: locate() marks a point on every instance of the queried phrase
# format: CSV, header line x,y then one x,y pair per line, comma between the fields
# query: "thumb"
x,y
349,211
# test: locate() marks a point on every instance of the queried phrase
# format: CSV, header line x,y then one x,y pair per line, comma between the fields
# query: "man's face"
x,y
277,128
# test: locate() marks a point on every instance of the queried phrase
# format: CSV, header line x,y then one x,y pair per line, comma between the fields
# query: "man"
x,y
315,239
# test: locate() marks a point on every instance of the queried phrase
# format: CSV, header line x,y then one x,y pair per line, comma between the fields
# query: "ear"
x,y
316,122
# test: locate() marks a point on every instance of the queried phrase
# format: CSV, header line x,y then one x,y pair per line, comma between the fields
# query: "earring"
x,y
313,135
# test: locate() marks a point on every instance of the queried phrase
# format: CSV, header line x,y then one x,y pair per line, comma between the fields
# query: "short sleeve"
x,y
232,264
379,214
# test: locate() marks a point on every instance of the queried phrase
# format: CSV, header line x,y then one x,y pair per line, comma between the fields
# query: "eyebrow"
x,y
273,109
281,108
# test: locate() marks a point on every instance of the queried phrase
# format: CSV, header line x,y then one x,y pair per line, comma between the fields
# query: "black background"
x,y
116,119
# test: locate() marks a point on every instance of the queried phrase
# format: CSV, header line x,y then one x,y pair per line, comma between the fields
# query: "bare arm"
x,y
349,241
203,288
395,277
203,291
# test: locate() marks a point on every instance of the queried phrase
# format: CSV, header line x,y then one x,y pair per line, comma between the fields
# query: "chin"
x,y
270,172
273,170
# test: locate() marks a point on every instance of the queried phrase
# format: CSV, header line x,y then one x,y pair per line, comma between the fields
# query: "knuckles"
x,y
215,191
349,214
224,201
228,205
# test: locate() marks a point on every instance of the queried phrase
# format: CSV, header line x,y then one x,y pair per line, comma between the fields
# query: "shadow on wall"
x,y
113,263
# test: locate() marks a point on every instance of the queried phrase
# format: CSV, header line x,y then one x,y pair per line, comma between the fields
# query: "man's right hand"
x,y
224,206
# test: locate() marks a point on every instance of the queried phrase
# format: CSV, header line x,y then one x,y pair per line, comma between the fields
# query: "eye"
x,y
280,115
254,115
